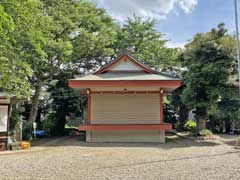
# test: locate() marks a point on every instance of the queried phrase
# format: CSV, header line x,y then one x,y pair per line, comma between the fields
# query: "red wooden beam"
x,y
125,92
125,127
120,83
89,109
161,108
96,92
166,92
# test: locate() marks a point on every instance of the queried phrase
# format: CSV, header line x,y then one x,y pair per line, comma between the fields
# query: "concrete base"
x,y
126,136
88,136
162,136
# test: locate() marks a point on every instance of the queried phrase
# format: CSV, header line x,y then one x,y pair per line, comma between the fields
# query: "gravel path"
x,y
68,158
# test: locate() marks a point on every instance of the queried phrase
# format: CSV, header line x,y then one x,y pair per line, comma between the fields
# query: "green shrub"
x,y
190,125
48,124
26,130
205,132
15,118
179,126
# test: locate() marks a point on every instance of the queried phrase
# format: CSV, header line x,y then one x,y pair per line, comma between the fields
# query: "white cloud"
x,y
158,9
187,5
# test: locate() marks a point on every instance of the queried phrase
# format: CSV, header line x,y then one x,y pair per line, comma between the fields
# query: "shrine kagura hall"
x,y
125,102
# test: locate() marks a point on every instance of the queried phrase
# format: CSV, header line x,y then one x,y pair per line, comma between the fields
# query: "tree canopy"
x,y
209,66
45,41
16,17
141,39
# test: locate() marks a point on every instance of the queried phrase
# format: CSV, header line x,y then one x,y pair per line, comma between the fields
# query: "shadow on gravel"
x,y
229,142
171,160
172,141
228,139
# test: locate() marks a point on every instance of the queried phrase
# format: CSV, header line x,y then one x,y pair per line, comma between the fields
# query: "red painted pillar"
x,y
89,107
161,107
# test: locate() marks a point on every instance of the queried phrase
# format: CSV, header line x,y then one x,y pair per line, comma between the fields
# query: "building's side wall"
x,y
3,118
3,125
126,136
125,109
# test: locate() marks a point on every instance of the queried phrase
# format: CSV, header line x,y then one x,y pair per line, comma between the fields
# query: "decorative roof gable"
x,y
125,63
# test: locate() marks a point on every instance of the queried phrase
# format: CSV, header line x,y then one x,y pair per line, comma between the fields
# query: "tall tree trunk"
x,y
212,125
183,114
201,123
201,117
61,121
227,126
35,102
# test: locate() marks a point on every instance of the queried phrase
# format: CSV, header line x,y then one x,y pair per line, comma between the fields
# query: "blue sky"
x,y
179,20
206,15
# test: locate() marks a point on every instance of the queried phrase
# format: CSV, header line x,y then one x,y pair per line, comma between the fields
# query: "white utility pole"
x,y
237,37
21,123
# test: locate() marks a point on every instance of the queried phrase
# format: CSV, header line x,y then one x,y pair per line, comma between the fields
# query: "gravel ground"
x,y
68,158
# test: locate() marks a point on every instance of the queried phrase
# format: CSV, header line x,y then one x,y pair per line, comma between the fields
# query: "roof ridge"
x,y
140,62
142,65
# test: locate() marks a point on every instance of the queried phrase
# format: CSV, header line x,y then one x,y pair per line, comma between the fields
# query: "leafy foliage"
x,y
190,125
62,101
45,41
48,124
76,33
14,67
27,127
140,38
93,42
226,115
179,107
209,67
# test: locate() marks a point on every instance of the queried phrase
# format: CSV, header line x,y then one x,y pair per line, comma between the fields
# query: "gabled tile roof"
x,y
145,74
123,57
125,76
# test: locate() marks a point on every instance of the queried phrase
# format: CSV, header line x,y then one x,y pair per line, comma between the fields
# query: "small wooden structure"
x,y
4,119
125,102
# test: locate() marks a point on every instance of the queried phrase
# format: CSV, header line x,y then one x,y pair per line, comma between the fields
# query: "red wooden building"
x,y
125,102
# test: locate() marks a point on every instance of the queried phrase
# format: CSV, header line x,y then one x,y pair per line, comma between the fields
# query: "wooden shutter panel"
x,y
125,109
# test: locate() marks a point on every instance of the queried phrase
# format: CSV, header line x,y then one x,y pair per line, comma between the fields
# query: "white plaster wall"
x,y
3,118
126,65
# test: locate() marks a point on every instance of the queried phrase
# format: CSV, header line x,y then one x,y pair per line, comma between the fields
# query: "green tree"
x,y
66,24
43,34
14,67
179,107
64,101
96,36
209,67
227,111
32,34
136,36
141,39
